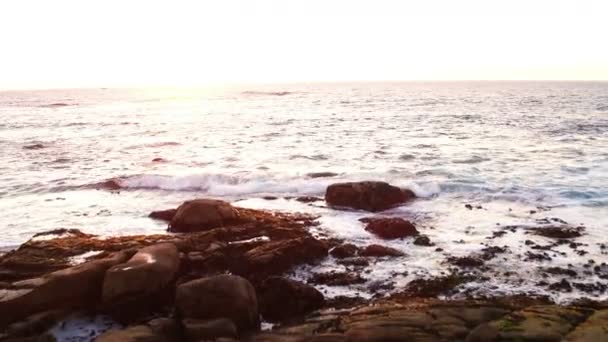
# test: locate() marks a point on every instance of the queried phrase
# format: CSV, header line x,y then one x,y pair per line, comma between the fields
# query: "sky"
x,y
63,43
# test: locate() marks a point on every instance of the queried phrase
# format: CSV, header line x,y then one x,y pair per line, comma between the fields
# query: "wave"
x,y
271,93
220,185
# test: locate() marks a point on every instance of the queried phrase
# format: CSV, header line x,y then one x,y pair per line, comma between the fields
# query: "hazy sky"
x,y
60,43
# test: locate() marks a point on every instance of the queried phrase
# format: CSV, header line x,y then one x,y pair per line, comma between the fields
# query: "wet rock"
x,y
391,228
558,232
466,261
337,278
354,262
159,160
197,330
433,287
537,256
561,286
136,287
74,287
138,333
163,215
34,325
223,296
308,199
277,257
560,271
347,250
321,174
370,196
423,241
282,298
380,251
202,214
490,252
34,147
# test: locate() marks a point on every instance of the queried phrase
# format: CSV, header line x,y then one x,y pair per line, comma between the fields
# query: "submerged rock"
x,y
337,278
370,196
558,232
223,296
163,215
380,251
391,227
347,250
282,298
202,214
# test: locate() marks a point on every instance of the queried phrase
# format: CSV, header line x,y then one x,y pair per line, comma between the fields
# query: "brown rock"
x,y
380,251
337,278
137,333
391,228
74,287
202,214
347,250
370,196
282,298
279,256
223,296
163,215
147,272
208,330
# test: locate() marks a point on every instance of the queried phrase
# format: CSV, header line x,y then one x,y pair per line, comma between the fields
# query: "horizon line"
x,y
270,83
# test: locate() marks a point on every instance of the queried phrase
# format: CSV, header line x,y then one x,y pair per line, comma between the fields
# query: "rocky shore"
x,y
223,274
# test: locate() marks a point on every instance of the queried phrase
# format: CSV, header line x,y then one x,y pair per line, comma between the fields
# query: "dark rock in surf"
x,y
370,196
347,250
380,251
282,298
163,215
391,228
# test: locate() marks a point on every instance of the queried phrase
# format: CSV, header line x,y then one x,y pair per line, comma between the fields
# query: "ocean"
x,y
519,153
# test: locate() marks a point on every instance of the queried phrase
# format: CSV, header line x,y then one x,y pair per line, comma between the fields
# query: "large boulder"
x,y
150,270
222,296
202,214
283,298
279,256
75,287
370,196
391,227
380,251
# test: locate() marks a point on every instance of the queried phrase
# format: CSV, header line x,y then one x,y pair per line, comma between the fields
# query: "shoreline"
x,y
251,255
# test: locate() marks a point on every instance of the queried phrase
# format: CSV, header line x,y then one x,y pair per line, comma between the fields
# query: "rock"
x,y
201,215
347,250
337,278
423,241
283,298
223,296
159,160
321,174
434,286
168,329
370,196
558,232
34,147
34,325
308,199
163,215
380,251
535,323
137,333
208,330
466,261
595,328
150,270
74,287
391,228
279,256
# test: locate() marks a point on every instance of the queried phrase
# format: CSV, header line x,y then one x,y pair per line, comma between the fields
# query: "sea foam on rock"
x,y
368,195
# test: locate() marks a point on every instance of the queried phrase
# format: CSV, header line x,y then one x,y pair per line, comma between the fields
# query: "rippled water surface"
x,y
508,147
